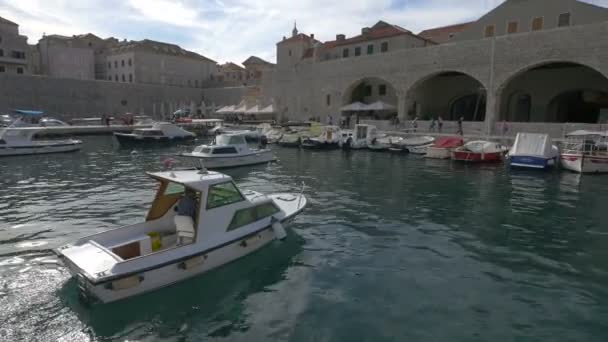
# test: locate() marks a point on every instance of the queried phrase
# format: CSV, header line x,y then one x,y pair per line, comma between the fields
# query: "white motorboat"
x,y
585,152
534,151
363,137
328,139
15,141
161,133
228,150
199,220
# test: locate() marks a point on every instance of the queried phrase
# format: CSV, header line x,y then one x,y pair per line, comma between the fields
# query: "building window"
x,y
345,53
2,68
537,24
368,90
116,64
196,83
489,32
109,65
370,49
382,89
290,53
563,20
122,63
131,78
1,53
20,70
18,54
130,62
189,83
116,78
358,51
123,78
512,27
384,47
328,100
110,78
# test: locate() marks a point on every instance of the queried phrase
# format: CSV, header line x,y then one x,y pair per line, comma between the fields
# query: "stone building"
x,y
552,70
153,62
232,73
14,51
80,57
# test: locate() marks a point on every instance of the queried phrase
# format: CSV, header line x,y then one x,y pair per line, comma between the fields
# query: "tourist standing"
x,y
504,127
432,126
460,130
440,123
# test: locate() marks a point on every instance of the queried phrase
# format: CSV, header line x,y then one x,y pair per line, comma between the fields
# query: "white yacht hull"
x,y
584,163
41,148
173,272
217,162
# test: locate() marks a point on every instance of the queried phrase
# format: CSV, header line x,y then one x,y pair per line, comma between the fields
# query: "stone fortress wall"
x,y
71,98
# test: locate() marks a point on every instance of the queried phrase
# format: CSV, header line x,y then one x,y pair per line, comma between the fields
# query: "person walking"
x,y
460,130
440,124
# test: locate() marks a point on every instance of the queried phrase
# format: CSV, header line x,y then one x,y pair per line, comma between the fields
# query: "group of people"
x,y
436,124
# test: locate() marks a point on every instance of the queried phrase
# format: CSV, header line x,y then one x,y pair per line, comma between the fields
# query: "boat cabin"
x,y
224,144
587,142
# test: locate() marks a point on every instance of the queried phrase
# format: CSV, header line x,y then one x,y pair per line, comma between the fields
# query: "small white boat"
x,y
328,139
479,151
161,133
198,221
16,141
585,152
533,151
363,137
228,150
421,149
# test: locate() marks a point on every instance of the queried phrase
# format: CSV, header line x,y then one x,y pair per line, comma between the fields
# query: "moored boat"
x,y
213,223
585,152
533,151
479,151
20,141
328,139
442,147
227,150
363,136
161,133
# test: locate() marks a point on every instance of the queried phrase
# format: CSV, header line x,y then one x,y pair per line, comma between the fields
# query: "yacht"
x,y
159,133
198,221
20,141
585,152
227,150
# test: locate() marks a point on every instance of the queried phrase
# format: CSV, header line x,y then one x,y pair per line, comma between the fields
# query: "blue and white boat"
x,y
533,151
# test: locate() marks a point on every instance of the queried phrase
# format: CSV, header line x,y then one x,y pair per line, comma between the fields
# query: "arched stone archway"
x,y
554,91
449,94
371,89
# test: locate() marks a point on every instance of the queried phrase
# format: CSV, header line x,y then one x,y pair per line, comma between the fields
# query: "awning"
x,y
380,105
355,107
27,112
267,110
241,110
226,109
253,110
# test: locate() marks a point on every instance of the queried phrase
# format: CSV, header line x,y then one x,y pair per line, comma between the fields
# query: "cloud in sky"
x,y
232,30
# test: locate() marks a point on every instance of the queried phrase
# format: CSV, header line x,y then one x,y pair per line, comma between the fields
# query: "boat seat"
x,y
184,226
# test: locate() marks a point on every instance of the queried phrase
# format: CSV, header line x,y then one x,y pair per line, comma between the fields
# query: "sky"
x,y
232,30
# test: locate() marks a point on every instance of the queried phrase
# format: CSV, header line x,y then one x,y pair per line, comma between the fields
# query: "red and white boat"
x,y
479,151
442,147
585,152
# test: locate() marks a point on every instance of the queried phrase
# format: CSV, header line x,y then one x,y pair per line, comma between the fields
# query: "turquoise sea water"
x,y
392,248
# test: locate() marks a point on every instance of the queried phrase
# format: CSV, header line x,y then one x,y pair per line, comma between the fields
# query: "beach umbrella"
x,y
381,106
355,107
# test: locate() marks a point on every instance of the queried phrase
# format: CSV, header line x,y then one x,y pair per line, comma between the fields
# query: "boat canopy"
x,y
27,112
532,144
448,142
582,133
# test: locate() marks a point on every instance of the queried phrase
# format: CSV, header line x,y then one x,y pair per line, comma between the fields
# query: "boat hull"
x,y
40,149
474,157
318,145
529,162
438,153
584,163
130,140
261,157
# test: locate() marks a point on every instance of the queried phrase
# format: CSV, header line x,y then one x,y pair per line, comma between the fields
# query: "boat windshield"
x,y
223,194
166,197
230,140
202,149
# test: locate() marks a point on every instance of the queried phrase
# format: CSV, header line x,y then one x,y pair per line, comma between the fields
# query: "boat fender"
x,y
278,229
125,283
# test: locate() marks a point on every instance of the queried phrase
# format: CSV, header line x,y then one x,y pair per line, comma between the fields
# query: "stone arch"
x,y
347,95
449,94
557,89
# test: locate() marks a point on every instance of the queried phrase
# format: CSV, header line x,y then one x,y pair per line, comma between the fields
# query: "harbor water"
x,y
392,248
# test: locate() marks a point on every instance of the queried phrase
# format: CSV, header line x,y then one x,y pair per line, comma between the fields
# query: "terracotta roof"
x,y
443,34
158,47
6,21
255,60
232,66
381,30
297,38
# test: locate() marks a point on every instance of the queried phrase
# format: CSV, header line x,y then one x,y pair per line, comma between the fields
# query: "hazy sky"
x,y
232,30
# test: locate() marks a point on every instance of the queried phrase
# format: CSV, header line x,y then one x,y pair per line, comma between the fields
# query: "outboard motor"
x,y
263,141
